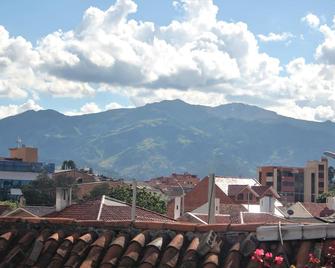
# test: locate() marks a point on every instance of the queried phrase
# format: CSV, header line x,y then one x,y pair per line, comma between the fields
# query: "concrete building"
x,y
297,184
19,169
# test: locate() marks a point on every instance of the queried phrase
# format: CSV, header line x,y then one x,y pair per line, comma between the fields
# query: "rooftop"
x,y
69,243
107,209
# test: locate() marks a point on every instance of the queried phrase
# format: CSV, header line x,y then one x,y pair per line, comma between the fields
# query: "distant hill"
x,y
171,136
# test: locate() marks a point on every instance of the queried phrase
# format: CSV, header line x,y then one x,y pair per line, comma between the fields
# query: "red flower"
x,y
259,252
278,260
268,255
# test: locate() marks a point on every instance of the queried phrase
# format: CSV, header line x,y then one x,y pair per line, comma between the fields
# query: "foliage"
x,y
144,198
322,198
11,204
98,191
68,164
42,191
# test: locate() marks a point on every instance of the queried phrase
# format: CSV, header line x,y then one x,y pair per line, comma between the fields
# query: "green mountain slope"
x,y
171,136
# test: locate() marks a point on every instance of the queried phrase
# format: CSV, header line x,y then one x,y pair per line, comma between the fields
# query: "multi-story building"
x,y
297,184
20,168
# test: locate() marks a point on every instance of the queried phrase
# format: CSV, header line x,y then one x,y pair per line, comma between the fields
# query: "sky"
x,y
85,56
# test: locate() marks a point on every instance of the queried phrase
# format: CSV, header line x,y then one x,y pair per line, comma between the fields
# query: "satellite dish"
x,y
290,212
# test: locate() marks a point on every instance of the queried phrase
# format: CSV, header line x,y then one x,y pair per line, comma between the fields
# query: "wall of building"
x,y
294,183
27,154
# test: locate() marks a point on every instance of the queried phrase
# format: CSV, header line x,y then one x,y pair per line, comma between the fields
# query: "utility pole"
x,y
133,205
211,199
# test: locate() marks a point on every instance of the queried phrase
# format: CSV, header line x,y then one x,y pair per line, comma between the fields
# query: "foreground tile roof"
x,y
67,243
111,210
314,209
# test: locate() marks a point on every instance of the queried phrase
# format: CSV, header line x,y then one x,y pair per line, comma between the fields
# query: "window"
x,y
321,184
287,173
321,168
288,183
240,197
269,183
321,175
269,174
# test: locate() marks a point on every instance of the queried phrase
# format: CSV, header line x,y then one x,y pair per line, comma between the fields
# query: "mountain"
x,y
171,136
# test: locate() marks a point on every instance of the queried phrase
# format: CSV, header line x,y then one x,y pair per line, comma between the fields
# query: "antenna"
x,y
18,142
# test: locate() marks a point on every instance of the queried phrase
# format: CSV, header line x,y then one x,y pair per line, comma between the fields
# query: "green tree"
x,y
322,198
144,198
98,191
41,191
68,164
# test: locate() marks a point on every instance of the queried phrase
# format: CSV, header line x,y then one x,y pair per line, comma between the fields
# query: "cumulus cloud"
x,y
115,105
273,37
92,107
198,58
312,20
9,110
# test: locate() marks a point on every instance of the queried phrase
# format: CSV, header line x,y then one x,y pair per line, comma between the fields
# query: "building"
x,y
175,184
48,242
245,192
19,169
297,184
78,175
103,209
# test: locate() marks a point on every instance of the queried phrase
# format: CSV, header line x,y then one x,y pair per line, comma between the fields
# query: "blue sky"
x,y
269,60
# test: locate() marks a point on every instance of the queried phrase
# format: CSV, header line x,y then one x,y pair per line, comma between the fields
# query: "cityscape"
x,y
184,133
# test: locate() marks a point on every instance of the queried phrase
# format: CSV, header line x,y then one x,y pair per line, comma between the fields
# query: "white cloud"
x,y
275,37
9,110
198,58
312,20
115,105
325,52
87,108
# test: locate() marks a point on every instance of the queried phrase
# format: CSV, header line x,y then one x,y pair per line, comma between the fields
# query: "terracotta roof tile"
x,y
314,208
119,211
49,243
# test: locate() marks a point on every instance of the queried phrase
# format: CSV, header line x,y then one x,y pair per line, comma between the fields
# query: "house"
x,y
51,242
228,191
175,184
30,211
103,209
79,176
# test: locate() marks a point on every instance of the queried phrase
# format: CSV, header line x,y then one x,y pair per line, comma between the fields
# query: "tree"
x,y
98,191
68,164
144,198
322,198
41,191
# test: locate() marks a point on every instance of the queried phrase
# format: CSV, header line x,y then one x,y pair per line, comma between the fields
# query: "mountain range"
x,y
171,136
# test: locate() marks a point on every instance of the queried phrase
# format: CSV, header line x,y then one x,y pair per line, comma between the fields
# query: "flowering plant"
x,y
265,259
329,255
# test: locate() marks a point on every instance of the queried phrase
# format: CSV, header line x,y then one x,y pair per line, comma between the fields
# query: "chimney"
x,y
177,207
267,204
63,197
